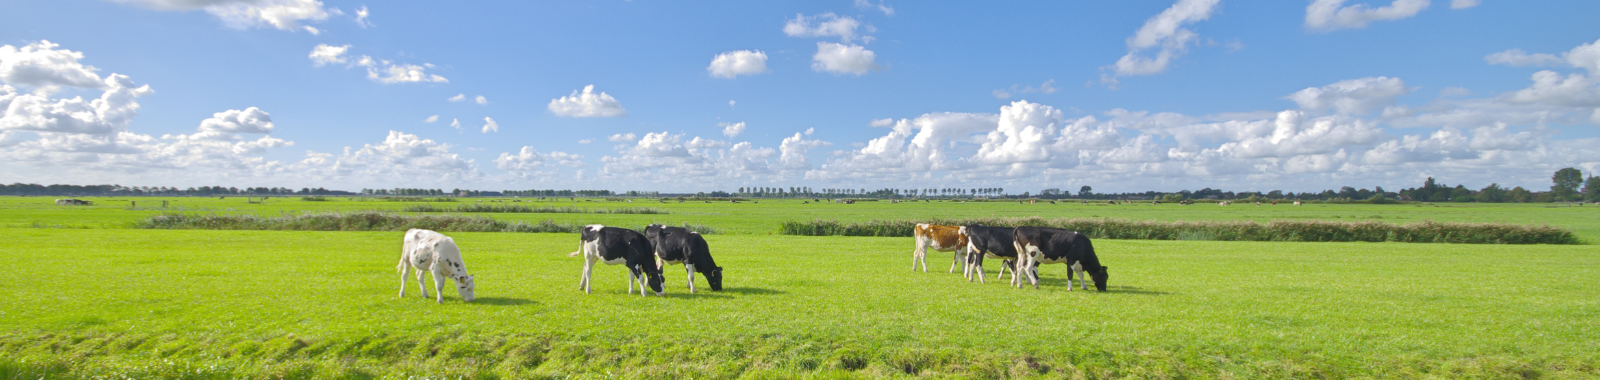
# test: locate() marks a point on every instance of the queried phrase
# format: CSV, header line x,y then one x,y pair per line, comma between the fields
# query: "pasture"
x,y
93,298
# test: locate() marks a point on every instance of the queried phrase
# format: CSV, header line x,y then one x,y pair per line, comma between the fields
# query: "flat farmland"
x,y
93,298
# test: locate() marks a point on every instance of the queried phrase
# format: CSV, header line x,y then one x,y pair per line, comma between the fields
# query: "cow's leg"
x,y
438,283
632,276
690,268
1006,265
955,257
421,285
917,255
402,268
1069,277
588,272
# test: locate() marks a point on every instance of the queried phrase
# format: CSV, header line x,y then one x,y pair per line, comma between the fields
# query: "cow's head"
x,y
1099,275
714,277
465,285
653,278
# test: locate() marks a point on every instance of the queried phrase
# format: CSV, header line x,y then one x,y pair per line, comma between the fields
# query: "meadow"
x,y
93,297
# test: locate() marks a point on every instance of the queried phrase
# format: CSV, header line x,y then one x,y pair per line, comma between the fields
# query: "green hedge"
x,y
360,221
512,208
1246,230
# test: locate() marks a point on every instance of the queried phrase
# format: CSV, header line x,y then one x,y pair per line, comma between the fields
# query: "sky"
x,y
717,95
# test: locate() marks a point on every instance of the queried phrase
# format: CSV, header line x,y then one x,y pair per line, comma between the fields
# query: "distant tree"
x,y
1085,191
1461,194
1492,193
1566,182
1519,195
1591,189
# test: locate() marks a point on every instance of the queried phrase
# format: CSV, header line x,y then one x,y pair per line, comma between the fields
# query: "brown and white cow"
x,y
942,239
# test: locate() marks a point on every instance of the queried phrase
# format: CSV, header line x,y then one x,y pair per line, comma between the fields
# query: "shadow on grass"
x,y
497,301
1135,290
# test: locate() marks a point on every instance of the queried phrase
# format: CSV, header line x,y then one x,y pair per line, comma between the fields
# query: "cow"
x,y
1039,245
612,245
432,251
940,238
992,242
73,202
1296,203
678,245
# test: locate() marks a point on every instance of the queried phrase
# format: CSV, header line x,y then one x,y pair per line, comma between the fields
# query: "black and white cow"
x,y
1039,245
678,245
992,242
611,245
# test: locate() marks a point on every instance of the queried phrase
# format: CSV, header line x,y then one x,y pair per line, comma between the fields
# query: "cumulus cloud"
x,y
794,149
1166,33
457,98
663,157
880,6
490,126
1518,58
739,62
378,70
1329,15
1551,88
249,120
361,17
106,115
40,64
732,129
843,59
1355,96
1464,4
399,155
431,119
455,124
481,100
587,104
822,25
530,160
244,14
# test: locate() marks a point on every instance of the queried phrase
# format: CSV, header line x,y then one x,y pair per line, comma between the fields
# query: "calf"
x,y
440,256
674,245
940,238
611,245
991,242
1038,245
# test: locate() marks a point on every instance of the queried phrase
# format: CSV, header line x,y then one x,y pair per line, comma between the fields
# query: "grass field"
x,y
95,299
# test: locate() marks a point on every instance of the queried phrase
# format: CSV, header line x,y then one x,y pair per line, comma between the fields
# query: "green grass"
x,y
90,297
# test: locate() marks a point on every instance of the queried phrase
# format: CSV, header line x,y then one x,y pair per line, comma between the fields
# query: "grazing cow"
x,y
1186,202
438,254
1296,203
73,202
611,245
1224,203
678,245
991,242
1038,245
942,239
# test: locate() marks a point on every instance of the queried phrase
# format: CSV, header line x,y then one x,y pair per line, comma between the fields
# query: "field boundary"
x,y
1240,230
360,221
505,208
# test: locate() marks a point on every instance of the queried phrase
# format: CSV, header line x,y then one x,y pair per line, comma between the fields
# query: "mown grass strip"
x,y
361,221
1233,230
510,208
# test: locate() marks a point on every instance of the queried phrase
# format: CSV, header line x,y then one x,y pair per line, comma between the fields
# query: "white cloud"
x,y
431,119
884,122
843,59
107,115
1464,4
381,71
402,73
1329,15
249,120
455,124
244,14
324,54
490,126
664,157
361,17
1024,132
867,4
1166,32
529,160
481,100
730,104
794,150
1518,58
739,62
822,25
457,98
400,158
586,141
732,129
623,137
40,64
1586,56
587,104
1355,96
1550,88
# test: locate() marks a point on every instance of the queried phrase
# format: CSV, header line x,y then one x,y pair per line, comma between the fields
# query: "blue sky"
x,y
1157,95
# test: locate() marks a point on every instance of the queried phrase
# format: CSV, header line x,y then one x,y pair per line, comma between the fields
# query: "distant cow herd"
x,y
1022,250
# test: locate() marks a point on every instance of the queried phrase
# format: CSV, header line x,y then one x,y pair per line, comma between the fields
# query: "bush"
x,y
362,221
1277,230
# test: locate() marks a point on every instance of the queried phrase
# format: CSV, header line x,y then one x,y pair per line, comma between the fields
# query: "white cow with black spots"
x,y
437,254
